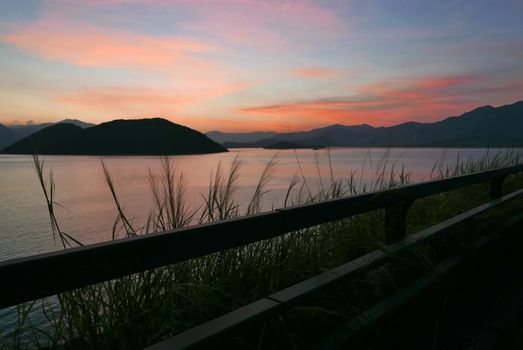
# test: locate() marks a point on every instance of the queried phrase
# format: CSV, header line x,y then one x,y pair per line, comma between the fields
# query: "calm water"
x,y
87,211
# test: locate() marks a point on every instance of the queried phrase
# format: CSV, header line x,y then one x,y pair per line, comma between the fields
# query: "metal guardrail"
x,y
293,295
48,274
504,232
52,273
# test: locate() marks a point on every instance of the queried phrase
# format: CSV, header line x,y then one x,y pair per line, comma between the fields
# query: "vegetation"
x,y
138,310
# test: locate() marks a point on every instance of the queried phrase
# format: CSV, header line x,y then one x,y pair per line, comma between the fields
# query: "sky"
x,y
246,65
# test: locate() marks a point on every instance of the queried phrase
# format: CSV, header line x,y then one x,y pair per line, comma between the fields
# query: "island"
x,y
154,136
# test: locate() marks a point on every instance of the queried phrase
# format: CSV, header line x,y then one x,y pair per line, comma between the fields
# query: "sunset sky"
x,y
244,65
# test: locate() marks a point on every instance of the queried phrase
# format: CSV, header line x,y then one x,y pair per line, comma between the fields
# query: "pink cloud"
x,y
266,24
178,62
143,101
315,72
315,114
255,23
445,82
184,72
86,45
125,100
417,91
382,103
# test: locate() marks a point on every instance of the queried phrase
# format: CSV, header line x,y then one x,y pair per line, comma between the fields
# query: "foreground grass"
x,y
135,311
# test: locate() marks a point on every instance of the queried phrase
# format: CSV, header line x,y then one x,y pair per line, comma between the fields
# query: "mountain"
x,y
82,124
248,137
18,132
290,145
6,136
485,126
118,137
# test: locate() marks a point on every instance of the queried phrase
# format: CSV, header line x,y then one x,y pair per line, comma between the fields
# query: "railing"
x,y
52,273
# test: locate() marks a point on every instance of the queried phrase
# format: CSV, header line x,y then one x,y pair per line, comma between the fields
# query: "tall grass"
x,y
134,311
490,160
48,188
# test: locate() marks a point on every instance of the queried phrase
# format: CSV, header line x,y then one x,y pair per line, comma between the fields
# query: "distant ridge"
x,y
11,134
118,137
239,137
6,136
76,122
485,126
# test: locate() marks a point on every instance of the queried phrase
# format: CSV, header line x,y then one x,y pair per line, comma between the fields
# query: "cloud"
x,y
178,67
382,103
87,45
262,24
315,72
416,91
266,24
123,100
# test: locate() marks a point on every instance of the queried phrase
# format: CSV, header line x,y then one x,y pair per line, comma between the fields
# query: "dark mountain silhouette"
x,y
482,127
290,145
6,136
18,132
246,137
80,123
118,137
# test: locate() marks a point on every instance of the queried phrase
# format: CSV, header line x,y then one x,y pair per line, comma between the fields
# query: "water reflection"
x,y
88,212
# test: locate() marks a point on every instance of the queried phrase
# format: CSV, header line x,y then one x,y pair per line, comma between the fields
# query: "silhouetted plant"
x,y
135,311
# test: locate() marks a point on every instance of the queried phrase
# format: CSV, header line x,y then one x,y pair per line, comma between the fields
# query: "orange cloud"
x,y
445,82
124,101
381,103
305,114
315,72
308,115
91,46
278,25
177,68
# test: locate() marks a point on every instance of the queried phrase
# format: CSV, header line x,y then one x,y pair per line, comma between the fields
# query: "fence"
x,y
48,274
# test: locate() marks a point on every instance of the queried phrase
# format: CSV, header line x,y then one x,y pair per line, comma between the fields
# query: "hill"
x,y
290,145
247,137
118,137
80,123
485,126
6,136
18,132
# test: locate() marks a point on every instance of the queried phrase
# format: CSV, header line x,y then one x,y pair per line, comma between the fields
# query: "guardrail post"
x,y
396,221
496,187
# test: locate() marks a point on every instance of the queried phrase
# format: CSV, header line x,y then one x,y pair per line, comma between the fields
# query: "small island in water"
x,y
155,136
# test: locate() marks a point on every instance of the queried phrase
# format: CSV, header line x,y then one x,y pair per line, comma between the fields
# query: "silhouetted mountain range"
x,y
11,134
291,145
118,137
240,137
482,127
485,126
6,136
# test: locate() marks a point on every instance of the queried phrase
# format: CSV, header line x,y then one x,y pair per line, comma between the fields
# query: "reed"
x,y
135,311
